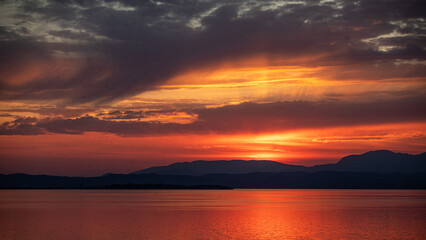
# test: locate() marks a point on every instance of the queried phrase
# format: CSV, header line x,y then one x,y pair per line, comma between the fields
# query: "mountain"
x,y
377,169
228,167
381,161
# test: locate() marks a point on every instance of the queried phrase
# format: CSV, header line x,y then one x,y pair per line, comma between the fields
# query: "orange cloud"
x,y
262,81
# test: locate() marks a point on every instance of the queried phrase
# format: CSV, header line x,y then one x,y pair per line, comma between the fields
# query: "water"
x,y
212,214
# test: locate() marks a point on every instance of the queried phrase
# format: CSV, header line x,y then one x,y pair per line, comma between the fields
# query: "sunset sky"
x,y
89,87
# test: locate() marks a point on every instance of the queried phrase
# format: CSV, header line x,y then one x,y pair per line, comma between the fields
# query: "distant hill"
x,y
377,169
381,161
290,180
228,167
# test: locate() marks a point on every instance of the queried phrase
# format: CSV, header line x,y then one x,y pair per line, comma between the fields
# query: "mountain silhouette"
x,y
381,161
227,167
375,170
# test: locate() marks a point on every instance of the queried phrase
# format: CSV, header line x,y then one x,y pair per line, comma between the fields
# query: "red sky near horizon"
x,y
114,87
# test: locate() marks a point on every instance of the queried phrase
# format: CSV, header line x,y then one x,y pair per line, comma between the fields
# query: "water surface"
x,y
212,214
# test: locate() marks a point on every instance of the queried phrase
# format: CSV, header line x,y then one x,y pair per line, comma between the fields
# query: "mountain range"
x,y
381,161
375,169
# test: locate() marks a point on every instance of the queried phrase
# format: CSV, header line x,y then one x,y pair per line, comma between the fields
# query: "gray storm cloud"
x,y
117,49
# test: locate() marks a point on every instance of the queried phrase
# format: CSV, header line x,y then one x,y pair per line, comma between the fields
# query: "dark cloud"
x,y
52,111
121,48
125,128
304,114
123,115
21,126
243,118
137,115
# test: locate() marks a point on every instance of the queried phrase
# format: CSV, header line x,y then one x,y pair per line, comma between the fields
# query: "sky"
x,y
89,87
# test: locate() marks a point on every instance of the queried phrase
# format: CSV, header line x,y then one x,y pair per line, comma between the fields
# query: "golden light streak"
x,y
261,83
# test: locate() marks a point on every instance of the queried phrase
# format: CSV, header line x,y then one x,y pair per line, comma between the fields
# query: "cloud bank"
x,y
242,118
95,52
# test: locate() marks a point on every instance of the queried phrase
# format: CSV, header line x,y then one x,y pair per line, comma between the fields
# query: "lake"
x,y
212,214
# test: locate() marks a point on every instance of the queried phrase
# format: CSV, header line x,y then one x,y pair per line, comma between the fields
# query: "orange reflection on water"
x,y
212,214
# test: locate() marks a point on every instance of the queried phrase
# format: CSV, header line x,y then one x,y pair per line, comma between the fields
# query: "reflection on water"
x,y
212,214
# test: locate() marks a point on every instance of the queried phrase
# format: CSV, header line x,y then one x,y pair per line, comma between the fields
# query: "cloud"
x,y
242,118
122,115
303,114
21,126
131,114
50,111
101,51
